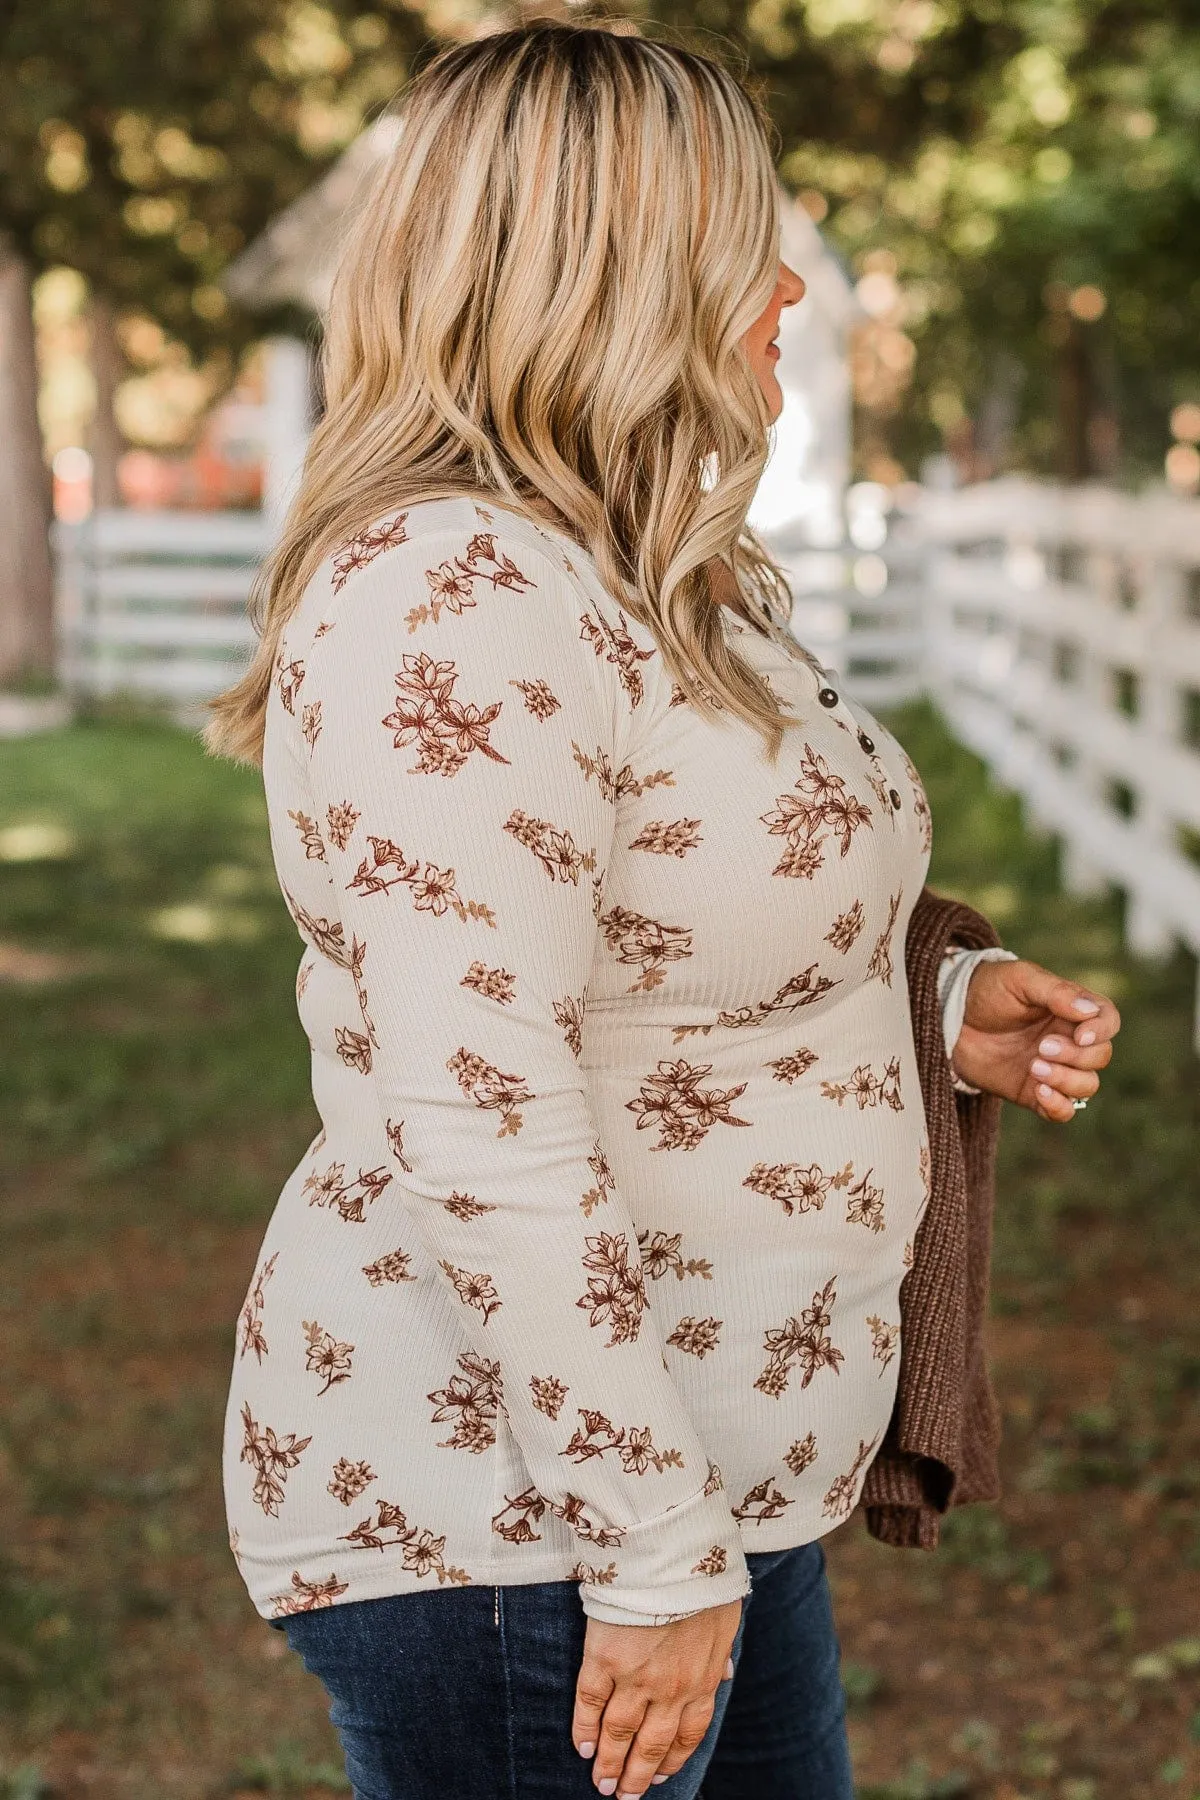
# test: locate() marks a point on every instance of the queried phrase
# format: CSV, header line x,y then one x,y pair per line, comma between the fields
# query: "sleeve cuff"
x,y
954,978
673,1577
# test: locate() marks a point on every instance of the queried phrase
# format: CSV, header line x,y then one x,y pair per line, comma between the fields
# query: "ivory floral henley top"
x,y
592,1273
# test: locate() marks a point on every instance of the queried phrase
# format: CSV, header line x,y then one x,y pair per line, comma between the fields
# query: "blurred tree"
x,y
1018,180
142,142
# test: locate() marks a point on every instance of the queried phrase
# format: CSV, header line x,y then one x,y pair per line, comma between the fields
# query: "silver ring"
x,y
1079,1105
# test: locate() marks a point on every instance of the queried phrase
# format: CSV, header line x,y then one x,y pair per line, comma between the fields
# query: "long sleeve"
x,y
456,687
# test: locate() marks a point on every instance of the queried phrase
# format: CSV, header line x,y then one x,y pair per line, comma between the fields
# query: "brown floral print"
x,y
325,1356
289,677
920,802
427,714
310,724
802,1454
271,1456
605,1182
614,643
668,837
845,929
573,1512
354,1048
303,977
518,1516
252,1312
633,1445
868,1088
433,889
924,1169
494,984
595,1577
797,1189
324,628
340,821
885,1340
645,944
489,1089
471,1400
556,850
762,1502
661,1255
325,935
310,837
474,1290
349,1480
794,1067
822,799
568,1016
616,1289
696,1337
395,1138
548,1394
881,957
615,784
391,1266
804,989
452,583
713,1562
307,1596
539,698
422,1552
365,546
802,1342
466,1206
865,1204
684,1113
679,697
840,1498
714,1484
350,1199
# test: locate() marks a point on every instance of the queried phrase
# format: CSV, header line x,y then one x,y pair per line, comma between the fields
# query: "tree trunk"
x,y
26,573
104,434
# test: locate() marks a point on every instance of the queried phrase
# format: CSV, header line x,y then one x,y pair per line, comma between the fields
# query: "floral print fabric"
x,y
592,1271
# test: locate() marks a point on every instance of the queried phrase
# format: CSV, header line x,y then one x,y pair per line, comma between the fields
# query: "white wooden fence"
x,y
1058,631
154,603
1061,642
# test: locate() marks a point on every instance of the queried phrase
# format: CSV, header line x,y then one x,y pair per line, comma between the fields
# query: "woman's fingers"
x,y
1058,1046
1090,1018
592,1693
622,1722
661,1730
694,1721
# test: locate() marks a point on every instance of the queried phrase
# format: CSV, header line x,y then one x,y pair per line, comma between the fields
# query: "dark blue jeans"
x,y
467,1693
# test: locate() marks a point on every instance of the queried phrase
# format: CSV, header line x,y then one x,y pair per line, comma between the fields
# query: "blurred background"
x,y
984,487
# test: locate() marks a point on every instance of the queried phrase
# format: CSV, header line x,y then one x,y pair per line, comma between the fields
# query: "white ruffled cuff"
x,y
954,978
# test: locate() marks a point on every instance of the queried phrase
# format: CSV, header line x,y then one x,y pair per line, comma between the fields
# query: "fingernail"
x,y
587,1749
1038,1067
1087,1007
1087,1037
1045,1091
609,1786
729,1670
1050,1046
657,1780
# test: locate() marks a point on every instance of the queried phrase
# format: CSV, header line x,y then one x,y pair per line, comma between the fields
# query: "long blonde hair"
x,y
541,301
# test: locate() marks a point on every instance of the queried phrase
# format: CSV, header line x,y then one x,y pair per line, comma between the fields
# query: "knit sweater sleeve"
x,y
464,704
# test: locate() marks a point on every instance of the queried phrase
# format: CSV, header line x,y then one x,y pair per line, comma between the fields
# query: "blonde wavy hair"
x,y
541,302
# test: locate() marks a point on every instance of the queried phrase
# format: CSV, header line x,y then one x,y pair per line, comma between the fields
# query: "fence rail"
x,y
154,603
1058,632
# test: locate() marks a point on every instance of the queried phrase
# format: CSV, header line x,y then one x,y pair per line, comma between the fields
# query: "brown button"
x,y
827,696
868,744
894,797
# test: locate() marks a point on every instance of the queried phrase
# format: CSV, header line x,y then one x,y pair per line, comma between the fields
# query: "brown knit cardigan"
x,y
941,1447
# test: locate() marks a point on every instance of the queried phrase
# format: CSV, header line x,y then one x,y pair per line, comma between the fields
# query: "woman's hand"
x,y
1034,1037
645,1695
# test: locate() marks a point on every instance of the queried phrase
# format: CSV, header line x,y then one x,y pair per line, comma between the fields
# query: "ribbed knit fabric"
x,y
594,1271
942,1445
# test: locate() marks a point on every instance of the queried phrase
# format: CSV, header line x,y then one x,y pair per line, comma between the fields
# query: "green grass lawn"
x,y
154,1094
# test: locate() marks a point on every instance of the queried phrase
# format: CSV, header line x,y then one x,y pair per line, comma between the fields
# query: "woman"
x,y
576,1328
